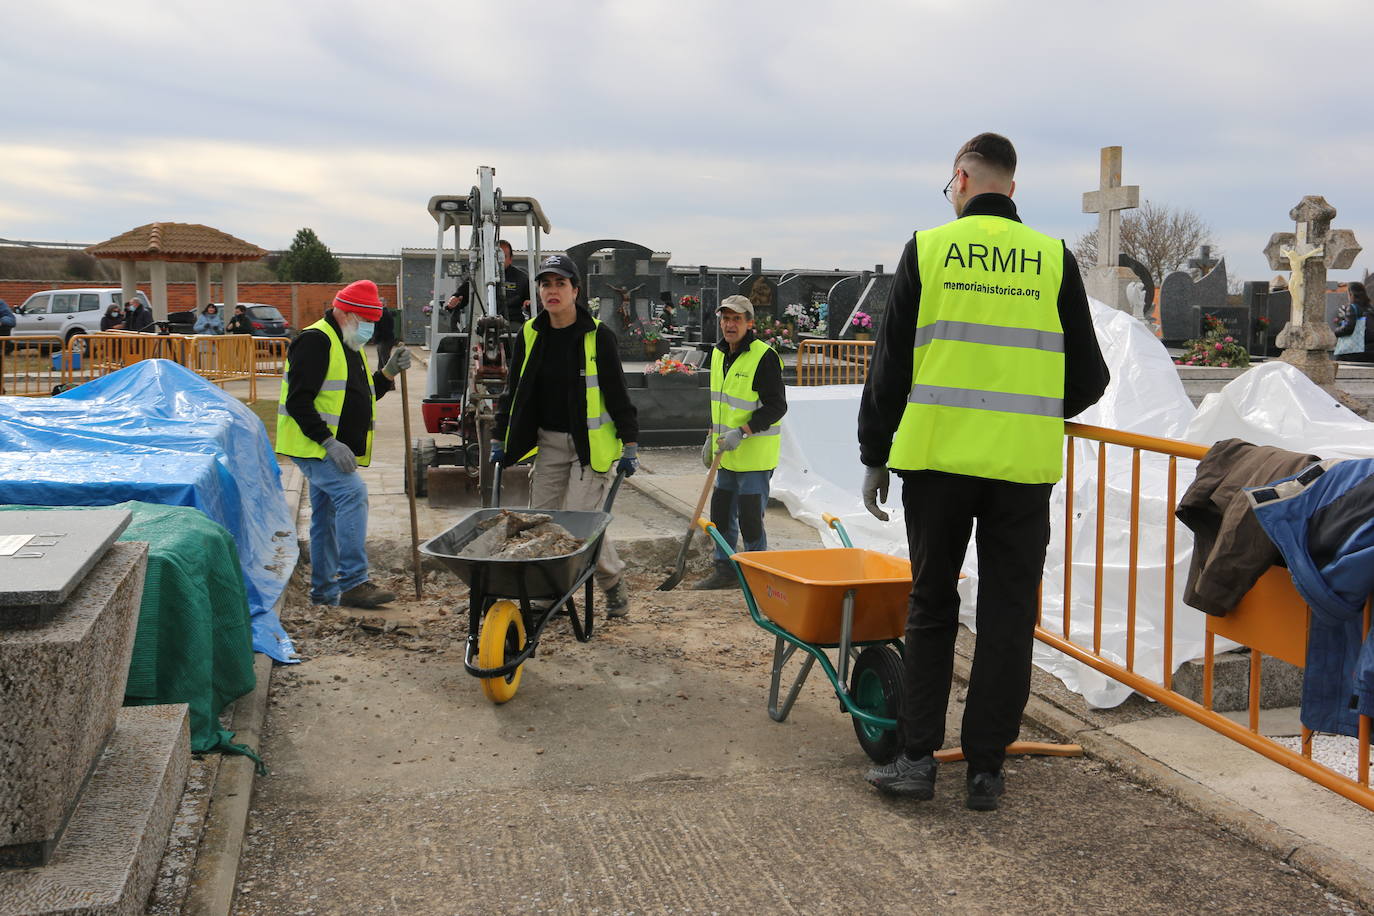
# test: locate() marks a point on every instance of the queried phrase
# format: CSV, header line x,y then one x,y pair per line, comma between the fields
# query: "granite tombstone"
x,y
1183,301
761,290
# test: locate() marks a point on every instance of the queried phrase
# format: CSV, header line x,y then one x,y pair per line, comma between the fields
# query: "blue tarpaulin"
x,y
158,433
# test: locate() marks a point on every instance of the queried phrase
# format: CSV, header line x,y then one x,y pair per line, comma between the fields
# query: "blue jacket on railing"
x,y
1322,521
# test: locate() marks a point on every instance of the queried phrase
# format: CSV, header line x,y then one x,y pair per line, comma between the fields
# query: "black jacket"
x,y
139,319
767,382
1230,549
889,380
523,422
308,357
1344,324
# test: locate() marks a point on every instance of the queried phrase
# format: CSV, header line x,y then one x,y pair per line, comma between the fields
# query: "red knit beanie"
x,y
360,297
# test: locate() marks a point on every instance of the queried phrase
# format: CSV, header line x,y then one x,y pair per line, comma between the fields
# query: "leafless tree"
x,y
1159,236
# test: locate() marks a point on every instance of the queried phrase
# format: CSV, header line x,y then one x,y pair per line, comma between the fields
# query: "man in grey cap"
x,y
748,401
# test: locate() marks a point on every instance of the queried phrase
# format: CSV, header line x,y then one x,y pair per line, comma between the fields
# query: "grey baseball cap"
x,y
737,304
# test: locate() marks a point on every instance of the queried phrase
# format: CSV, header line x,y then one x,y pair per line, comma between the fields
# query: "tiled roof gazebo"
x,y
159,243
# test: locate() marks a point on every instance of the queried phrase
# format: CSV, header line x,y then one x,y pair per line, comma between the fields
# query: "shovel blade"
x,y
675,579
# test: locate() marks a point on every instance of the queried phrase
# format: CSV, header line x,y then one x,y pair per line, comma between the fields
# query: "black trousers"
x,y
1013,532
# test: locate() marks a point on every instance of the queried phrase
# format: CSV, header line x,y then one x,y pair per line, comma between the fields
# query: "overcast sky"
x,y
807,133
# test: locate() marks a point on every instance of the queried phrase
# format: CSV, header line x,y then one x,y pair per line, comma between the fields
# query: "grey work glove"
x,y
399,362
707,455
875,491
731,438
629,461
341,455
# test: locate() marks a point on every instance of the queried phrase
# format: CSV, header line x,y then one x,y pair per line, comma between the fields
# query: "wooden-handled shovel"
x,y
672,581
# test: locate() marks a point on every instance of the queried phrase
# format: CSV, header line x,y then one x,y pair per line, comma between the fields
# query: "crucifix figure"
x,y
1308,252
1107,281
625,307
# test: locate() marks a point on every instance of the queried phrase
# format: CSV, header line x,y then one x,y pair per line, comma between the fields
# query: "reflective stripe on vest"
x,y
603,443
734,400
328,403
987,383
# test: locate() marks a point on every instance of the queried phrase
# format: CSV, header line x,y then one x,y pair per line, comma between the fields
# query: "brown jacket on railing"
x,y
1230,549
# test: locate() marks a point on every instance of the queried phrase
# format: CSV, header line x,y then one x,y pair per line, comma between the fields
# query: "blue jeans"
x,y
338,529
737,506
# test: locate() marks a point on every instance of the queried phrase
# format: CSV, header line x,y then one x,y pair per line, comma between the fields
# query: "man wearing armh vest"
x,y
324,422
748,401
567,405
986,347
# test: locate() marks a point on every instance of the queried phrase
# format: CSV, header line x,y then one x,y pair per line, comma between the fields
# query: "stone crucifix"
x,y
1309,252
1203,262
1107,281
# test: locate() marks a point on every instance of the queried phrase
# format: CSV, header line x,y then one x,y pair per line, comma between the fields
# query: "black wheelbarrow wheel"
x,y
876,687
502,638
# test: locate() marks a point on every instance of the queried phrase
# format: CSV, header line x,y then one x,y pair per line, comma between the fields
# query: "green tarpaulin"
x,y
194,642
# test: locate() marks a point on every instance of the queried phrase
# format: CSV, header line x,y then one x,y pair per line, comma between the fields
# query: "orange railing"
x,y
31,366
271,356
833,362
35,366
1270,620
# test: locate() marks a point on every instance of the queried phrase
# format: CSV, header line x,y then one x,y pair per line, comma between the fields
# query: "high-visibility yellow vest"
x,y
604,444
734,400
987,380
329,402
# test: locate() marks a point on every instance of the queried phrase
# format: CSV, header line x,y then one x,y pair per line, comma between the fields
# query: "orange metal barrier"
x,y
27,368
111,351
271,355
1271,619
833,362
217,358
223,358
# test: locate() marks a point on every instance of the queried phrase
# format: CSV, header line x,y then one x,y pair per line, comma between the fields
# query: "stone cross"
x,y
1203,262
1107,281
1307,340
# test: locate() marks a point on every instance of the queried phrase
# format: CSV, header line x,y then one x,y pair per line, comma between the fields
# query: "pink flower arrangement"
x,y
666,365
861,320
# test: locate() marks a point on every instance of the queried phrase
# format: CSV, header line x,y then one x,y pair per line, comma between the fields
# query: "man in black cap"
x,y
567,404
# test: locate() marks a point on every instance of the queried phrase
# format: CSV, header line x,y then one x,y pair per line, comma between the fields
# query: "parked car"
x,y
66,312
267,320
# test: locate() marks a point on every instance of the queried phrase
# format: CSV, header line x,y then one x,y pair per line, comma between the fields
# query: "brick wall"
x,y
301,303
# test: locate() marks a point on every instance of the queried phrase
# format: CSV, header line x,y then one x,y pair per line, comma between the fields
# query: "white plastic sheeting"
x,y
1273,404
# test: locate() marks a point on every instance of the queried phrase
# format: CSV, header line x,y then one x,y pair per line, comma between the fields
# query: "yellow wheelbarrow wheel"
x,y
503,637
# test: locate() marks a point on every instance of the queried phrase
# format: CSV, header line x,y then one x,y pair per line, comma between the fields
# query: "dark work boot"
x,y
984,789
906,777
722,576
617,600
366,596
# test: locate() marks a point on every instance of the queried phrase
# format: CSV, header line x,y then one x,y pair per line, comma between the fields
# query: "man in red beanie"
x,y
324,422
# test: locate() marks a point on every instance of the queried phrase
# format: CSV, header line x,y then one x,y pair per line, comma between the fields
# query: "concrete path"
x,y
639,772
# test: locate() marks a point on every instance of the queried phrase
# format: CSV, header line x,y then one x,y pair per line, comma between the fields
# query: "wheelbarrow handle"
x,y
710,529
615,488
834,522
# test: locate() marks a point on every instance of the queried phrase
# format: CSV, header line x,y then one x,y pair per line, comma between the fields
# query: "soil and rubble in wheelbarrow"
x,y
512,535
